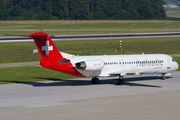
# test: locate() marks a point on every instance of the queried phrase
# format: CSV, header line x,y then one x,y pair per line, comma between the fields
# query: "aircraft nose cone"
x,y
176,66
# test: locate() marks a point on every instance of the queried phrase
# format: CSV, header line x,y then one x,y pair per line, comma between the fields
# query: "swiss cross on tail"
x,y
47,48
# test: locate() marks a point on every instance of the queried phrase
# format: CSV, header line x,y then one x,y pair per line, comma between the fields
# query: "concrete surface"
x,y
141,98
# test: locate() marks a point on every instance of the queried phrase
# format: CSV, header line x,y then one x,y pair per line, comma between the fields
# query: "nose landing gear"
x,y
163,77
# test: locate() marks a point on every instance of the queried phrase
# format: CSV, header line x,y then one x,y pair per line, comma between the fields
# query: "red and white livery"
x,y
103,65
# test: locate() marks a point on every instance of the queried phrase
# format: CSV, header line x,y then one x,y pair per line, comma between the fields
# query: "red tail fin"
x,y
51,57
46,47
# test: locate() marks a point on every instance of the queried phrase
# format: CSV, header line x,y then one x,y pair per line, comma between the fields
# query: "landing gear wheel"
x,y
95,80
119,82
92,80
163,77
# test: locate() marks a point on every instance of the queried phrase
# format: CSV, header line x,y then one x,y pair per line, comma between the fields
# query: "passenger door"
x,y
168,64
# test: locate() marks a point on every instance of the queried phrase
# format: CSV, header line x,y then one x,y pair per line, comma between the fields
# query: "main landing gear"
x,y
119,81
95,80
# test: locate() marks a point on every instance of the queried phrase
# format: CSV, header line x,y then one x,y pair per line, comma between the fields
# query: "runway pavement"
x,y
141,98
95,36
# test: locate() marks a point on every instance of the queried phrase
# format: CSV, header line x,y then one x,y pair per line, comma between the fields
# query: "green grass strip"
x,y
29,74
23,52
135,25
177,59
5,33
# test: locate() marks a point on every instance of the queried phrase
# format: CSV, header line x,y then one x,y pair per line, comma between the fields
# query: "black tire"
x,y
117,82
95,80
121,82
163,78
92,81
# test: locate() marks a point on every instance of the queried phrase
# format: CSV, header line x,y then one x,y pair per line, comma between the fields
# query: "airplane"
x,y
101,65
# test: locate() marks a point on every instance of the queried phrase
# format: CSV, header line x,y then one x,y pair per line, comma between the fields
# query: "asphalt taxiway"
x,y
145,97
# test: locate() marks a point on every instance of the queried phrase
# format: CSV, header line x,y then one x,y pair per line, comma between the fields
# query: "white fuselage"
x,y
112,65
101,66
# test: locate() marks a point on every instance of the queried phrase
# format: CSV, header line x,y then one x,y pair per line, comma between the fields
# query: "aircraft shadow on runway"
x,y
75,82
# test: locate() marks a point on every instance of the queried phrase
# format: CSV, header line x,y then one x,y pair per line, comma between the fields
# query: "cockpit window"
x,y
173,60
63,61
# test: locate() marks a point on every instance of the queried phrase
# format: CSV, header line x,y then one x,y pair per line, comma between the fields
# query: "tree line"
x,y
81,9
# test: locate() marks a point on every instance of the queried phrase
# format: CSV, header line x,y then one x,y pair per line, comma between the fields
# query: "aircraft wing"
x,y
124,72
133,72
